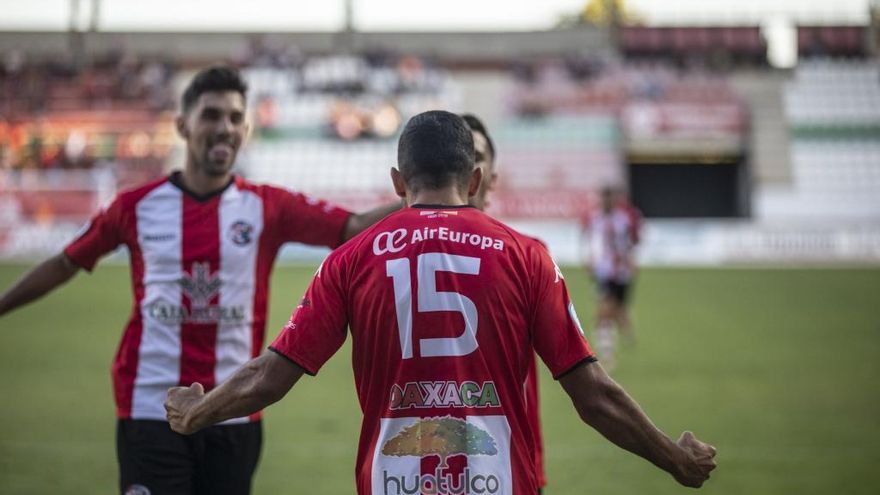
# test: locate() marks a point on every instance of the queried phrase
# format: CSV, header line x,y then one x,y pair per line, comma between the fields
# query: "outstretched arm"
x,y
259,383
38,282
604,405
360,221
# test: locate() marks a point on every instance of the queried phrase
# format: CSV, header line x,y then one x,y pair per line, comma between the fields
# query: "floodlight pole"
x,y
349,16
96,13
74,15
76,43
345,39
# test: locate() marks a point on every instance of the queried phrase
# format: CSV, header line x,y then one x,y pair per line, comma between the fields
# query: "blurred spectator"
x,y
75,150
266,113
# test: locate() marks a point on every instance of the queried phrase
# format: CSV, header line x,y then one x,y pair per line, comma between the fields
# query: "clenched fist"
x,y
696,463
179,405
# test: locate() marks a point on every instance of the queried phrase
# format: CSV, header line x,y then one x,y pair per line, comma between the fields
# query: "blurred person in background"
x,y
613,232
202,243
484,156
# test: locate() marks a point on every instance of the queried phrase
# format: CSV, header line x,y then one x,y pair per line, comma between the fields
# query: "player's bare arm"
x,y
605,405
360,221
257,384
38,282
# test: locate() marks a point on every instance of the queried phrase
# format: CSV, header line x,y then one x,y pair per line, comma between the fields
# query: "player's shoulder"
x,y
354,253
262,189
518,245
536,249
364,240
276,194
539,242
129,197
521,239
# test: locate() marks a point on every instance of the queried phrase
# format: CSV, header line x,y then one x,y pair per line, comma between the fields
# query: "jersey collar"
x,y
175,180
440,207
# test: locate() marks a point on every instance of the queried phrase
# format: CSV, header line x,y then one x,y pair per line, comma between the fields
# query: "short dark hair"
x,y
214,78
435,148
477,125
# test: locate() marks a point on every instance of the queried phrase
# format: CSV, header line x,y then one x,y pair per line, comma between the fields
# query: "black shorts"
x,y
617,291
154,460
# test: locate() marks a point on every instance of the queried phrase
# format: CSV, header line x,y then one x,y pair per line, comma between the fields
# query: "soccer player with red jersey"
x,y
614,232
484,157
445,307
202,243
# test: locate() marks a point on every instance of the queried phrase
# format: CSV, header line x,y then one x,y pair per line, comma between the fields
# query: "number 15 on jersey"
x,y
429,299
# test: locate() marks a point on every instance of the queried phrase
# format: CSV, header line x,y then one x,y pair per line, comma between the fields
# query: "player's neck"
x,y
203,184
445,197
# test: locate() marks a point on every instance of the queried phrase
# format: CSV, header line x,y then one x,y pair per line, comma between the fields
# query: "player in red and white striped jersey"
x,y
484,156
445,307
202,243
614,232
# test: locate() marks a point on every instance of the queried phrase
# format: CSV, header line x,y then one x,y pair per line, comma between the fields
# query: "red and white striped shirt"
x,y
200,275
613,239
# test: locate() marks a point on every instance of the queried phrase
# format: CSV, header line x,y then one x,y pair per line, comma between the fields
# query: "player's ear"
x,y
475,181
180,125
399,183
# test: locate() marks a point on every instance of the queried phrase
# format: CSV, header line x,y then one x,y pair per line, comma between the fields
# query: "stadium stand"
x,y
792,154
833,117
72,136
326,126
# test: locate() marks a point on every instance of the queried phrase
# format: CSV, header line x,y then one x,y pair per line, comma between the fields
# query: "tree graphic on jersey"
x,y
201,285
442,437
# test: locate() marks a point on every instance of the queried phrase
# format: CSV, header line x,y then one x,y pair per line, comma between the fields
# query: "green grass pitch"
x,y
777,368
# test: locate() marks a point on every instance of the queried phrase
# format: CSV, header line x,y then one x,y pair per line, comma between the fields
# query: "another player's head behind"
x,y
435,154
484,154
212,120
608,198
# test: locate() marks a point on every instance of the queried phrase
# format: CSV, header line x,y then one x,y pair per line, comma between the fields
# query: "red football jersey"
x,y
533,411
446,307
200,275
533,415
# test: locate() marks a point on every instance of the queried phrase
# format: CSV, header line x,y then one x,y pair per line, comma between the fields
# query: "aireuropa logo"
x,y
443,437
389,242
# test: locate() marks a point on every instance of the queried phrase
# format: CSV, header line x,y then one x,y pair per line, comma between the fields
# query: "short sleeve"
x,y
301,218
556,331
318,326
102,235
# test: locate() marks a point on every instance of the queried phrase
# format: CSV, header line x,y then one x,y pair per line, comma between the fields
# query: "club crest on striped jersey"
x,y
200,285
241,233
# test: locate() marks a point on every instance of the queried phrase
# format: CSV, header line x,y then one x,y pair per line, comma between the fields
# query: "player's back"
x,y
443,308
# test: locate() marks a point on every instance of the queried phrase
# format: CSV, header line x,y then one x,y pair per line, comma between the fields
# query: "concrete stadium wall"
x,y
463,46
